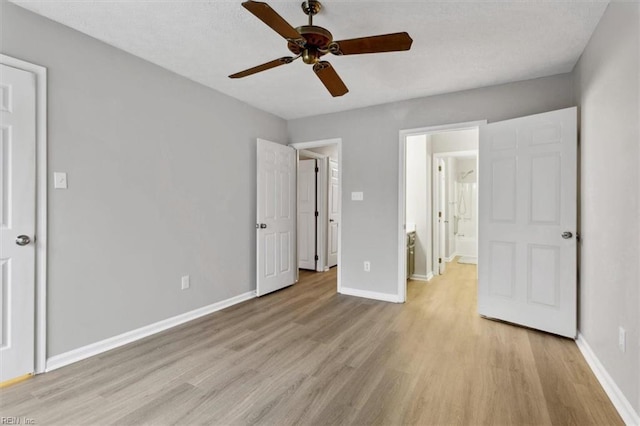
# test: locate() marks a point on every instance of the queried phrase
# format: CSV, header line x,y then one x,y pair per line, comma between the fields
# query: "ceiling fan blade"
x,y
375,44
266,14
330,78
263,67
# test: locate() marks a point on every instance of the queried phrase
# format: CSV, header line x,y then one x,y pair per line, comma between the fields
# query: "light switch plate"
x,y
185,282
357,196
60,180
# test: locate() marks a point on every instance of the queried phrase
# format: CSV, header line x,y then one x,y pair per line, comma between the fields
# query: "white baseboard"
x,y
96,348
450,258
429,276
416,277
620,402
385,297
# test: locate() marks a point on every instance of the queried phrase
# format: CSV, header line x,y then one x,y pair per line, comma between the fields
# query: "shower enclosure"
x,y
466,211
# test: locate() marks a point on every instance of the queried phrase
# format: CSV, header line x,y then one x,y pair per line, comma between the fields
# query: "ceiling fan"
x,y
311,42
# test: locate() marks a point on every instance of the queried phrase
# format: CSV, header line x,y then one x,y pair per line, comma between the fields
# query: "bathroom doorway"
x,y
438,218
456,212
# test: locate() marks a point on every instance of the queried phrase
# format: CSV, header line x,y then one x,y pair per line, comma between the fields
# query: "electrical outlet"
x,y
185,282
367,266
622,339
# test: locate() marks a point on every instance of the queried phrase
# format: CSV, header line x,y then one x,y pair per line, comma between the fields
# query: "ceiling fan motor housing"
x,y
318,41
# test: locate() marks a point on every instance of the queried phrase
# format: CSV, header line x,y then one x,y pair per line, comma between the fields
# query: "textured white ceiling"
x,y
457,45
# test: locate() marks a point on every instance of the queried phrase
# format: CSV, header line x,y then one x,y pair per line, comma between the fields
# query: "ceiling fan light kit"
x,y
311,42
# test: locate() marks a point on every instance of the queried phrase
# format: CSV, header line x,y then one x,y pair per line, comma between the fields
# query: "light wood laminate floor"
x,y
306,355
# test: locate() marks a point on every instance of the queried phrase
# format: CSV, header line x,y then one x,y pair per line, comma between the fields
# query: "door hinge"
x,y
439,260
439,168
316,257
317,169
439,214
316,214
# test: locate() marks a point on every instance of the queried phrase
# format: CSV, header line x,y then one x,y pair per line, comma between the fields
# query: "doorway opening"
x,y
456,204
438,200
319,227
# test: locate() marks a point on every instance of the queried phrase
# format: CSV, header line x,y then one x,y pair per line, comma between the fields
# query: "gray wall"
x,y
418,203
370,161
161,184
607,92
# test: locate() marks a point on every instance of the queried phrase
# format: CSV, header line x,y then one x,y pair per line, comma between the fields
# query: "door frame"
x,y
437,156
402,184
321,206
40,242
317,144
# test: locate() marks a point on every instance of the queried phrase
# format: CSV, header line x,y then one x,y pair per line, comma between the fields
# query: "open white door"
x,y
334,214
442,216
527,241
307,217
276,217
17,221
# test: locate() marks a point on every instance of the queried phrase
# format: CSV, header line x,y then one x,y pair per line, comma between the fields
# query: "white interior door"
x,y
17,221
307,227
276,217
442,216
527,242
334,214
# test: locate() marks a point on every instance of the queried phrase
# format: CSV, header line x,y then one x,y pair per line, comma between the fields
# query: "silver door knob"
x,y
261,225
23,240
566,235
